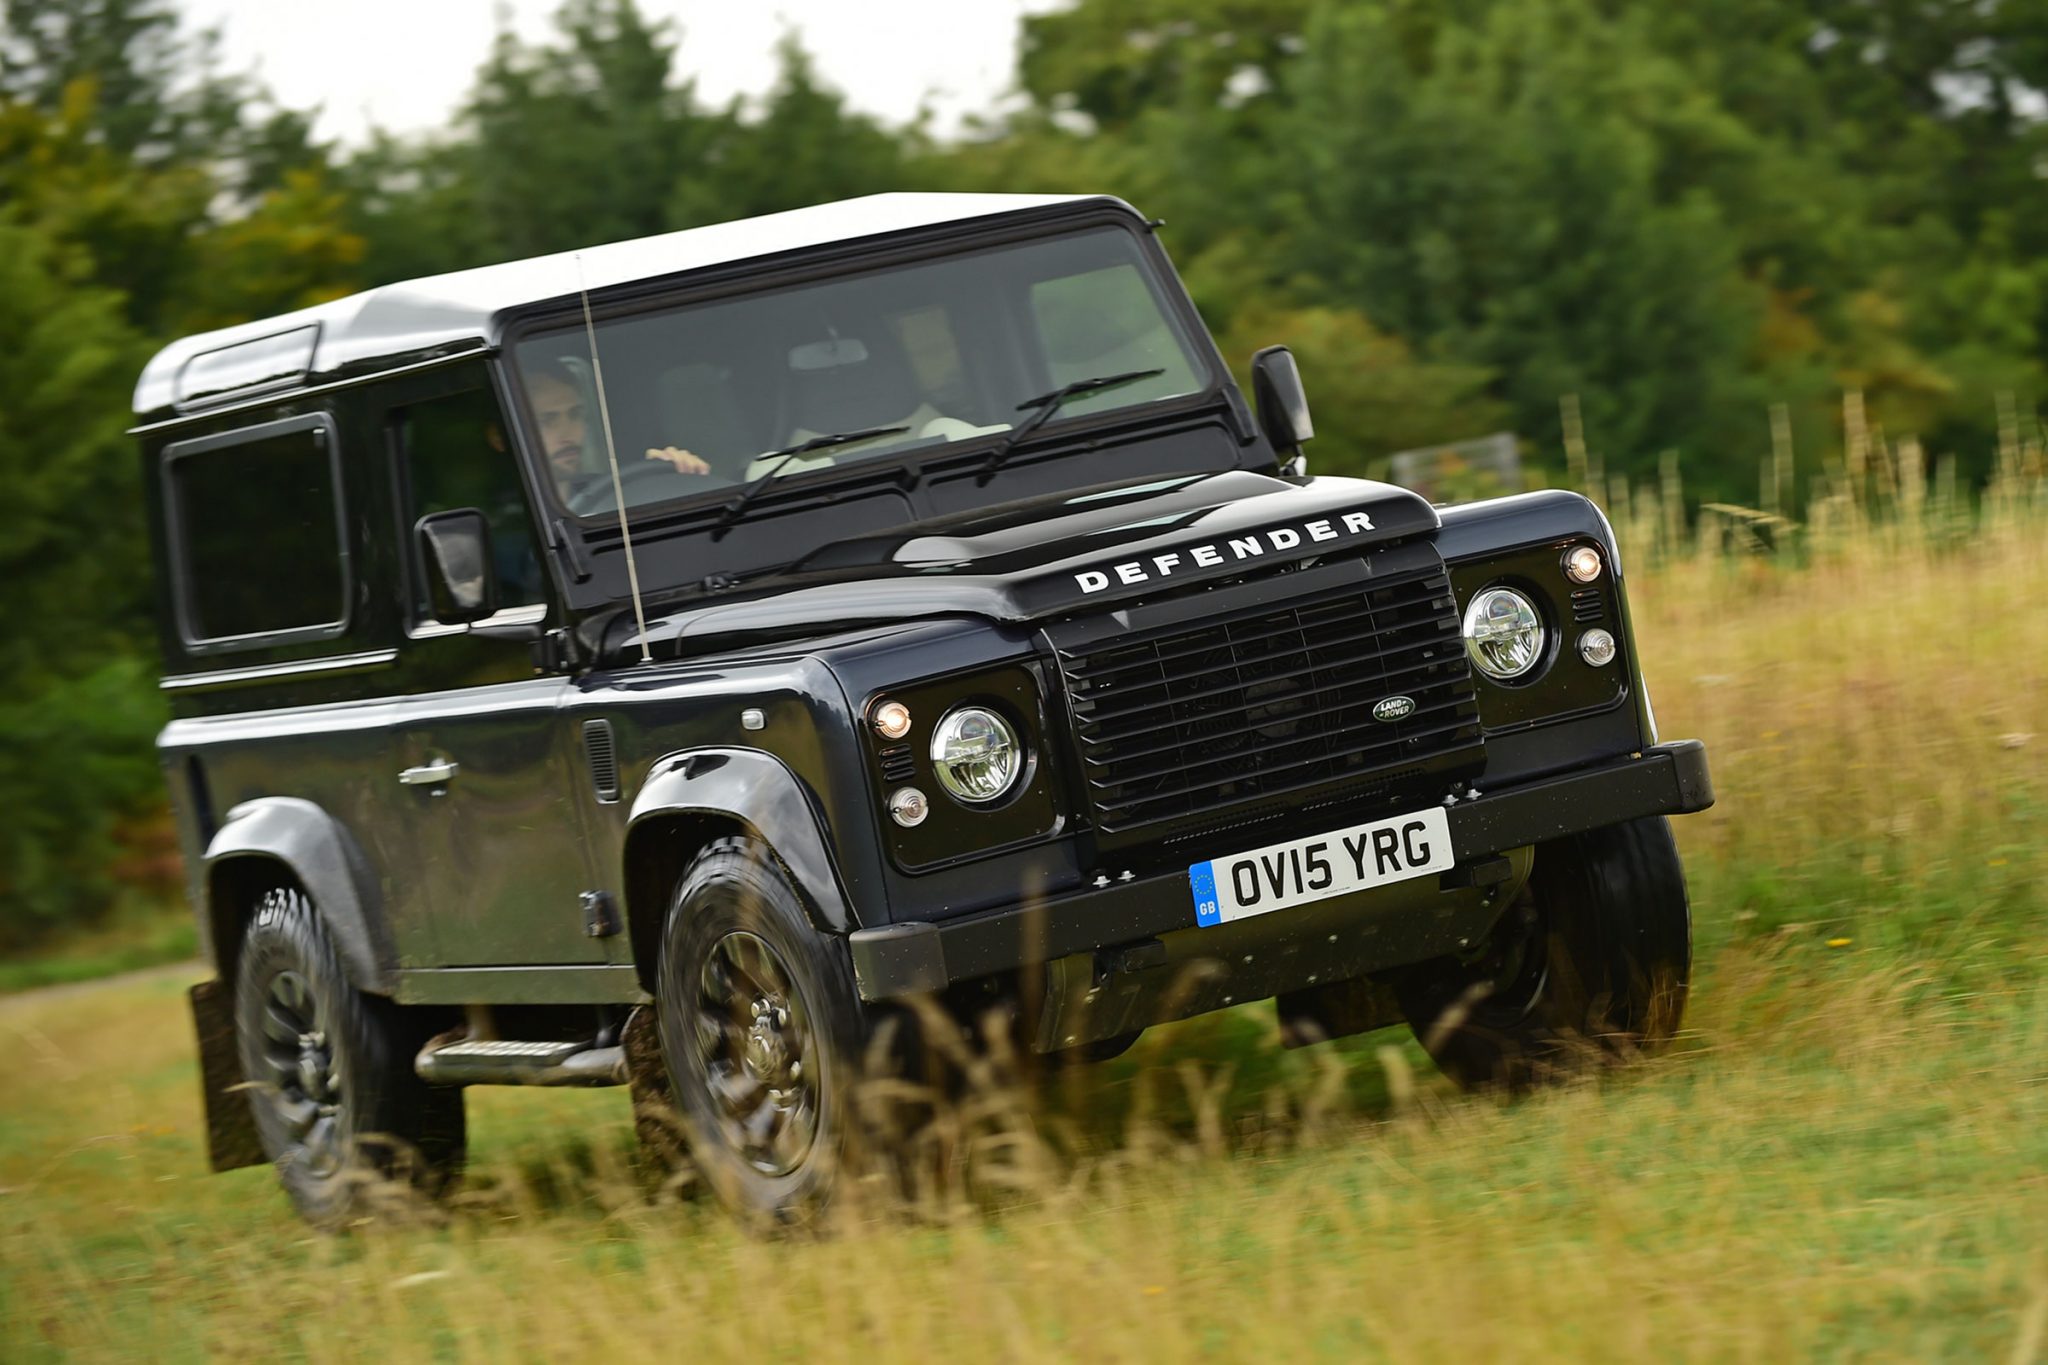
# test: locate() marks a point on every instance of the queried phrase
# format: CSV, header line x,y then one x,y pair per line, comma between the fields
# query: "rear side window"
x,y
256,529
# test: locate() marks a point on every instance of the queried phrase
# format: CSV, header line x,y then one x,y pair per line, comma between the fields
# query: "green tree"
x,y
581,142
591,137
139,198
1114,63
1500,196
78,713
805,147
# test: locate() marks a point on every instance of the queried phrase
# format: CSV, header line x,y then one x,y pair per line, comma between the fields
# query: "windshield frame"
x,y
765,275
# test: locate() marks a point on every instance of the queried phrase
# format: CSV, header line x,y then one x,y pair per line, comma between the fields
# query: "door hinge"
x,y
558,651
600,914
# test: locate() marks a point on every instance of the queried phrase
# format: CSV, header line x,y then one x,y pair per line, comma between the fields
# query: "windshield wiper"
x,y
737,508
1046,404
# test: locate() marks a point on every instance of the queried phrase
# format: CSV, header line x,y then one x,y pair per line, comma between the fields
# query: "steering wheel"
x,y
598,497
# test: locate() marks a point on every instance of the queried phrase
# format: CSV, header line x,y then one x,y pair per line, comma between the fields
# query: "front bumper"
x,y
905,959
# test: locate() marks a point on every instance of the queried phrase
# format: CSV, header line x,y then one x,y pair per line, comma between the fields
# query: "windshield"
x,y
710,398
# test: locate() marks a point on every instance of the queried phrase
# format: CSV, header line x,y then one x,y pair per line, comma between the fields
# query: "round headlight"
x,y
1503,633
976,754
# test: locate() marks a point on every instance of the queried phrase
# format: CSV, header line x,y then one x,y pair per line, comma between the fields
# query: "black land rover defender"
x,y
654,665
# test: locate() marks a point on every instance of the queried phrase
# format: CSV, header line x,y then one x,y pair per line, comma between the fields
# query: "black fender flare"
x,y
709,791
317,852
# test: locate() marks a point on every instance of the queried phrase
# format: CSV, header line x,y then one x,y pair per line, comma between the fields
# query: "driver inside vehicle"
x,y
562,419
828,385
838,383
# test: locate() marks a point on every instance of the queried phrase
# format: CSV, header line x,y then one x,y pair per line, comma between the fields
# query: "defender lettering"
x,y
1283,538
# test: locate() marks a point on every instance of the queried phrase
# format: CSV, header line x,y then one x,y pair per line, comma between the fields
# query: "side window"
x,y
256,529
454,453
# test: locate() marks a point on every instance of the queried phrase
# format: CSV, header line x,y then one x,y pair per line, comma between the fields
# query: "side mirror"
x,y
1282,406
455,553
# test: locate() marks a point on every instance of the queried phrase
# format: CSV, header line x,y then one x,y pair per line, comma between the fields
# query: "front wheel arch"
x,y
658,852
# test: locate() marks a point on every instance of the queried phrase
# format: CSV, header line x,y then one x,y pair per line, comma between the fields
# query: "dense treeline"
x,y
1458,211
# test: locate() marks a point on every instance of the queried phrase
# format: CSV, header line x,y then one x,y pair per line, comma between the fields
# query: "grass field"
x,y
1846,1155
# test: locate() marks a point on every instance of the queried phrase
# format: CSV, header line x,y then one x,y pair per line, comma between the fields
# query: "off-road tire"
x,y
392,1135
1591,963
735,888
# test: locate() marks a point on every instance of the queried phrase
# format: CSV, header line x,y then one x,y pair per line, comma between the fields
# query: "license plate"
x,y
1302,871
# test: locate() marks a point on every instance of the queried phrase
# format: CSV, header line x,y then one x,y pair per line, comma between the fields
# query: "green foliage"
x,y
1372,396
78,771
132,207
71,547
1679,213
1116,63
582,142
806,147
592,138
1500,195
77,712
133,57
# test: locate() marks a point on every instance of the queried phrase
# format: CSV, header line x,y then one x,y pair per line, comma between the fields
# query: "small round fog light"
x,y
1582,564
1596,647
907,806
892,720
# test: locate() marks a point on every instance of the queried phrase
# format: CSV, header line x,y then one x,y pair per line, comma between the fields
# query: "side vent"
x,y
1588,605
897,764
604,759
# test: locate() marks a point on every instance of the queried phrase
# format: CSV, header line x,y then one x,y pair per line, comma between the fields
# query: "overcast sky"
x,y
403,65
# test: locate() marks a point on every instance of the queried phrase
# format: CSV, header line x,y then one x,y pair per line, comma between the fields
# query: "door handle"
x,y
429,774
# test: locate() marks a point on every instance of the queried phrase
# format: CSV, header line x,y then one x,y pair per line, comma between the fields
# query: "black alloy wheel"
x,y
303,1073
755,1046
762,1030
337,1104
1591,962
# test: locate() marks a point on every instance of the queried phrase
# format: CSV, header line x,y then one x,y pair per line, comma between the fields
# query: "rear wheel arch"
x,y
235,888
285,842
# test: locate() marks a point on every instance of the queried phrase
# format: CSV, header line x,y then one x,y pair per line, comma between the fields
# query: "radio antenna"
x,y
611,458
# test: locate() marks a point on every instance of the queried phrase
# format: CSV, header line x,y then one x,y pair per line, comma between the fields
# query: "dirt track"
x,y
193,970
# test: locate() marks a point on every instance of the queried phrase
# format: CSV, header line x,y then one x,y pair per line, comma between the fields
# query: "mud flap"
x,y
231,1140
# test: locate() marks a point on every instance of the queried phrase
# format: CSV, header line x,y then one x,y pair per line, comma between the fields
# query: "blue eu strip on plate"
x,y
1202,877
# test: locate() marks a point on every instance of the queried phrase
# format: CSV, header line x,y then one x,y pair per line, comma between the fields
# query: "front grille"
x,y
1268,701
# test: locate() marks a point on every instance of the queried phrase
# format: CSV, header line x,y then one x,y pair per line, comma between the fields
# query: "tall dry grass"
x,y
1872,688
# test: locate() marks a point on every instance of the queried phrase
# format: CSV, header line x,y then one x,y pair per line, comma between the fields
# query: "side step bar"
x,y
464,1061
